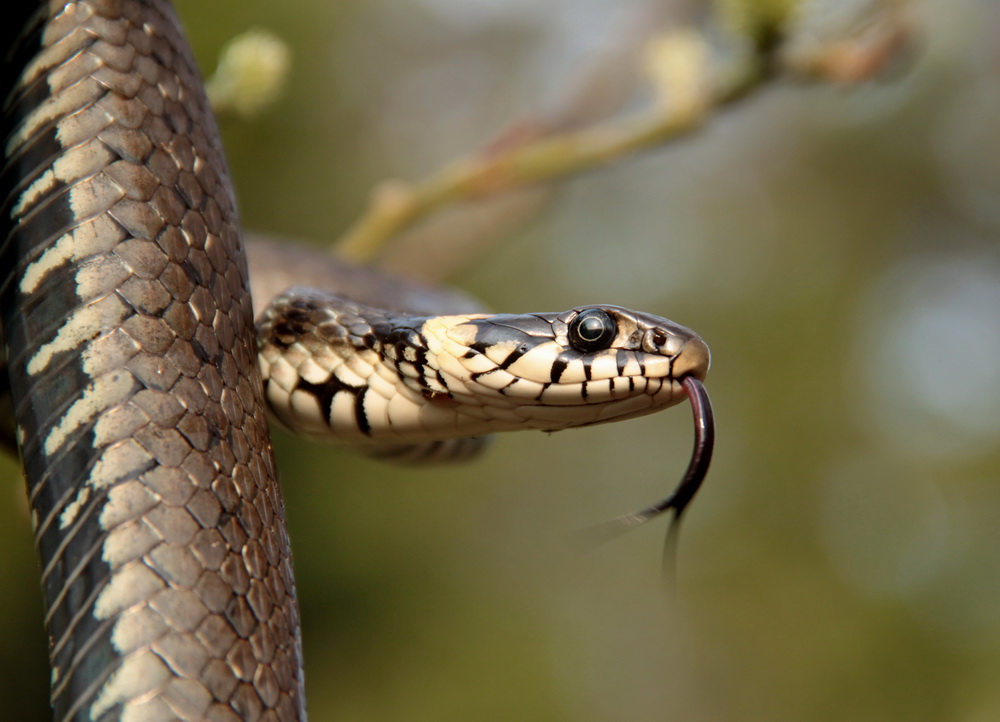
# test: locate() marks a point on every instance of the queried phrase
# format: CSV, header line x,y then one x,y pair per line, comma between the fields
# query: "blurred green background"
x,y
836,247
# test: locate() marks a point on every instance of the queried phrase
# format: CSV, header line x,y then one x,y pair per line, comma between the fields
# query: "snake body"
x,y
131,363
128,327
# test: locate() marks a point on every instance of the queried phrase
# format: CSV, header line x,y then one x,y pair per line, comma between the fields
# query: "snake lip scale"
x,y
140,385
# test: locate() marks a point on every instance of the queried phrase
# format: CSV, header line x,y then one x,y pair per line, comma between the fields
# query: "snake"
x,y
139,384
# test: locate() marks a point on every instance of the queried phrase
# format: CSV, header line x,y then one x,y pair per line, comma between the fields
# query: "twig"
x,y
396,205
533,154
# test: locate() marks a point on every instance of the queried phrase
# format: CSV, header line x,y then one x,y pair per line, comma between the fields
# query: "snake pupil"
x,y
592,330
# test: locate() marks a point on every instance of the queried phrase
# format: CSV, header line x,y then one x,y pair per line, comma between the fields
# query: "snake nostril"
x,y
654,341
659,341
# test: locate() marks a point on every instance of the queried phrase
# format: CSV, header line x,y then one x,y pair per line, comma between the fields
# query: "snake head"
x,y
550,371
336,369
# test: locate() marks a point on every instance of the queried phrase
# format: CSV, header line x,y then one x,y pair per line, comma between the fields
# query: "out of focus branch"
x,y
689,88
879,43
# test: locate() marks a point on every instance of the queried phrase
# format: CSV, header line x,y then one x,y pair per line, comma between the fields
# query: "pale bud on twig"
x,y
677,66
251,74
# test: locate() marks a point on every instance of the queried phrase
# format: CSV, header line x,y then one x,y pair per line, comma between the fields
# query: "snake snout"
x,y
693,359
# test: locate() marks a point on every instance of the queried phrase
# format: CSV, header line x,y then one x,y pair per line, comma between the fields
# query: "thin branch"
x,y
531,154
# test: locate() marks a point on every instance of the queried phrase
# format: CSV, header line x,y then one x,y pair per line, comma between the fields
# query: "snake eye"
x,y
592,330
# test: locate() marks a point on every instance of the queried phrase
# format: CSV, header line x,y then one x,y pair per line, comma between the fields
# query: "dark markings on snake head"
x,y
489,334
522,348
684,492
503,391
479,374
621,360
360,415
558,366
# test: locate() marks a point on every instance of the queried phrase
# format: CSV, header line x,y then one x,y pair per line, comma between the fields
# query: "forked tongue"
x,y
701,457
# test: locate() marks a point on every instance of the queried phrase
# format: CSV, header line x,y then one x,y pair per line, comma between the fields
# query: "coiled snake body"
x,y
131,364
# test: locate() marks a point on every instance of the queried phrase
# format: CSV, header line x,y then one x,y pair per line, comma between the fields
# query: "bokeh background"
x,y
838,249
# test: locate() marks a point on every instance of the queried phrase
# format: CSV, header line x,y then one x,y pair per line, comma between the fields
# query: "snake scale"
x,y
131,367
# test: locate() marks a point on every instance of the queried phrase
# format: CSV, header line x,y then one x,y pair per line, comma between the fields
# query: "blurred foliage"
x,y
838,250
